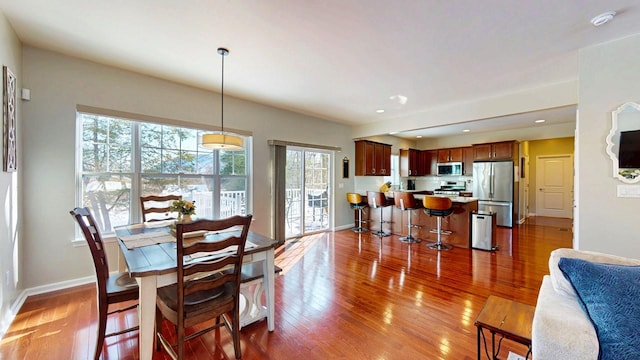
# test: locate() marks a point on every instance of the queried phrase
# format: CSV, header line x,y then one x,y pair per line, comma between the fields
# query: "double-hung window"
x,y
119,160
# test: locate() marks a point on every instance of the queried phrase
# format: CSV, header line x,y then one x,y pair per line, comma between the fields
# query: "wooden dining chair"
x,y
156,207
208,286
112,288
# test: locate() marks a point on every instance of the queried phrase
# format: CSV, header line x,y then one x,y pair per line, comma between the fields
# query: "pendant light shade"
x,y
221,140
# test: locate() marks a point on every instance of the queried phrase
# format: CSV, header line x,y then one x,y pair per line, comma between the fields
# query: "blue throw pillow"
x,y
610,295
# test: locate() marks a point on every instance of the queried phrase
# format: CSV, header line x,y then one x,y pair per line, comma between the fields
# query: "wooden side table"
x,y
510,319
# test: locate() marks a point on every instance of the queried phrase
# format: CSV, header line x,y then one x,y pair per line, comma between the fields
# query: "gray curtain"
x,y
279,191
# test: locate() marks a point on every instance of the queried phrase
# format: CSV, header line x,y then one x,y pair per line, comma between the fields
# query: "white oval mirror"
x,y
623,143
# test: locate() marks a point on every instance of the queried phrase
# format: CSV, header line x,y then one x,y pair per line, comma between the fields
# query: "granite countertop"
x,y
455,199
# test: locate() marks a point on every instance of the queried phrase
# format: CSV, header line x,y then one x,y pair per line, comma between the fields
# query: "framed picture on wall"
x,y
9,116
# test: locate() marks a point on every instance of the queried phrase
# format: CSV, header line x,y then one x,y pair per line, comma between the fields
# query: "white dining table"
x,y
154,265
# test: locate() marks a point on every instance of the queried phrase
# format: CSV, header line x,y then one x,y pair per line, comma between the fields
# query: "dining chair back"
x,y
156,207
111,288
208,284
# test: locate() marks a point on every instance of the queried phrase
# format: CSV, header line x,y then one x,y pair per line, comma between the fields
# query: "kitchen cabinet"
x,y
467,161
493,151
428,162
449,155
372,158
409,162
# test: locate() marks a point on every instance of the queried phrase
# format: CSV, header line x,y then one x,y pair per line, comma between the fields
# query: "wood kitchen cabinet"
x,y
449,155
409,162
467,161
493,151
372,158
428,162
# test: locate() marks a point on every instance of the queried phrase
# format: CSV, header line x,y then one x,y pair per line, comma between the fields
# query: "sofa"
x,y
561,328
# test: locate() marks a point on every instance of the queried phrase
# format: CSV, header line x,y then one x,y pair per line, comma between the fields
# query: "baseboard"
x,y
42,289
15,307
343,227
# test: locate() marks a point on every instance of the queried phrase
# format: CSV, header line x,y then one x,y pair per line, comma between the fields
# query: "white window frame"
x,y
137,175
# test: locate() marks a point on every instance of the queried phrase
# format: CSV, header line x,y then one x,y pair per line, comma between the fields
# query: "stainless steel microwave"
x,y
450,168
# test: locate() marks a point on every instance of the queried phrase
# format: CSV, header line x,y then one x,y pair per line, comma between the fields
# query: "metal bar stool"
x,y
378,200
406,202
439,207
356,203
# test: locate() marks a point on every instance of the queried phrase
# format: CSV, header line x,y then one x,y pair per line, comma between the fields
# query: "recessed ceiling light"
x,y
603,18
380,111
400,99
393,133
466,130
540,121
419,136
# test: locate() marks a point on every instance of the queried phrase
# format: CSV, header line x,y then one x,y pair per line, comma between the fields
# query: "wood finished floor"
x,y
342,296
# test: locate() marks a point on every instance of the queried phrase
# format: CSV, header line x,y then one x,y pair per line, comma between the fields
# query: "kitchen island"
x,y
459,222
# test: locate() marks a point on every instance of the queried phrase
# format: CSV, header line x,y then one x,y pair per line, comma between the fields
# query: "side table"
x,y
510,319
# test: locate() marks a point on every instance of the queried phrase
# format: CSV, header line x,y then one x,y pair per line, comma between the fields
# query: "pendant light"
x,y
221,140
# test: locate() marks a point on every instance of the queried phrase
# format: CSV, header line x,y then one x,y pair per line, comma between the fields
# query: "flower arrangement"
x,y
183,207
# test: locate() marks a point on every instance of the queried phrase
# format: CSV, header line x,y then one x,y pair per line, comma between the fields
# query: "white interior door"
x,y
554,185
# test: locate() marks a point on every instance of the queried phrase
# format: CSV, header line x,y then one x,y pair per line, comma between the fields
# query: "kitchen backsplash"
x,y
363,184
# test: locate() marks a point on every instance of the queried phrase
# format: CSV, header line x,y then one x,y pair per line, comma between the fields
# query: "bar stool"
x,y
406,202
378,200
356,203
439,207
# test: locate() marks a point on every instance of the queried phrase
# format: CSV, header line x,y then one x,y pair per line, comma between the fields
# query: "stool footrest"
x,y
443,232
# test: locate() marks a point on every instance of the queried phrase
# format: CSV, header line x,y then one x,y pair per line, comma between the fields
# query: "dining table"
x,y
151,258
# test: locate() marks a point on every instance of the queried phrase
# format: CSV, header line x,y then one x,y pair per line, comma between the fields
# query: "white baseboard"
x,y
15,307
343,227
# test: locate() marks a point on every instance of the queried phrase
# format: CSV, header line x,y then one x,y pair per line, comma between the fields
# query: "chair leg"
x,y
102,328
359,228
438,245
236,334
409,238
180,342
381,232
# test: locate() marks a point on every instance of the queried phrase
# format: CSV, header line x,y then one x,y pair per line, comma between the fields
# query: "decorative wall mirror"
x,y
623,143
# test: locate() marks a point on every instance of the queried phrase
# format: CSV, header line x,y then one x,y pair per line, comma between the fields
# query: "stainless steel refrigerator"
x,y
493,186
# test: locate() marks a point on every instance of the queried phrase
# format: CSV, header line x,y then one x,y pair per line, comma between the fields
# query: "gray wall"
x,y
609,76
58,83
10,189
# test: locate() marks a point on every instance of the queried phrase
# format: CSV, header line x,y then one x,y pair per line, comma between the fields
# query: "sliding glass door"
x,y
307,200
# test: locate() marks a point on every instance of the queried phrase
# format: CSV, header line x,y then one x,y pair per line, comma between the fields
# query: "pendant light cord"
x,y
222,97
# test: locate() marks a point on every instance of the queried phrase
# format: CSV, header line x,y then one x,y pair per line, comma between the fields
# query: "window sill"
x,y
80,242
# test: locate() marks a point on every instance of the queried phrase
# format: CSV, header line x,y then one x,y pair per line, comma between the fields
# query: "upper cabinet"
x,y
373,158
493,151
467,161
450,155
428,162
410,162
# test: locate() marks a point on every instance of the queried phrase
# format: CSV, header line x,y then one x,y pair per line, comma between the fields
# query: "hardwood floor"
x,y
342,295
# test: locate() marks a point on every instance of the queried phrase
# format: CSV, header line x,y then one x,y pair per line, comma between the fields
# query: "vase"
x,y
186,218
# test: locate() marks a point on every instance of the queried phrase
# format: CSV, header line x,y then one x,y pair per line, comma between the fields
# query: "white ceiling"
x,y
338,60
